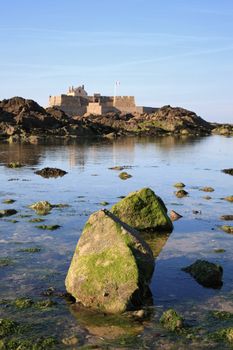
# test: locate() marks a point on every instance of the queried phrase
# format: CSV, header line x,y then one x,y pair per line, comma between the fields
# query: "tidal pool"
x,y
36,261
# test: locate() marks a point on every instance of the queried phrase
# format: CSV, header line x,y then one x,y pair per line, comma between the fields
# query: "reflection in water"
x,y
156,241
102,325
80,151
156,163
22,153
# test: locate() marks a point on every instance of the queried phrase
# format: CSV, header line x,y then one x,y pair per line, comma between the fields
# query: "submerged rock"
x,y
227,229
226,217
143,210
111,267
15,165
7,212
5,262
206,273
51,172
48,227
228,171
181,193
171,320
8,201
207,189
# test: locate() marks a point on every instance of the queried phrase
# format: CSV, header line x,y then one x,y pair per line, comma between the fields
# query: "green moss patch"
x,y
171,320
143,210
48,227
5,262
227,229
30,250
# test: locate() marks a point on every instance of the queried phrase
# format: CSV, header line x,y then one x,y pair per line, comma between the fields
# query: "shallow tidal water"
x,y
157,163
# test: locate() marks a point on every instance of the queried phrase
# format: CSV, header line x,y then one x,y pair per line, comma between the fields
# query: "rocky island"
x,y
23,119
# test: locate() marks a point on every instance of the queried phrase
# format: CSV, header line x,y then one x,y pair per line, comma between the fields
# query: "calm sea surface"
x,y
155,163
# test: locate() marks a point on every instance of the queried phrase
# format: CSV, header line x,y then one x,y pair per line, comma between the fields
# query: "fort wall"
x,y
78,103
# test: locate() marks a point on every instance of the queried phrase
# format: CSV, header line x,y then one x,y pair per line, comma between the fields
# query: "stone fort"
x,y
77,102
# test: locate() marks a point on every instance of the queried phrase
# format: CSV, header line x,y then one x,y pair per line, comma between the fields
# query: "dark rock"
x,y
226,217
228,171
181,193
206,273
7,212
50,172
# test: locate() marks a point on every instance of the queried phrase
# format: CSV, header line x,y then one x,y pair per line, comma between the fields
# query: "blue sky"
x,y
175,52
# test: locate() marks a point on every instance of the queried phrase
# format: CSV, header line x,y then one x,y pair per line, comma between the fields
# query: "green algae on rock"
x,y
48,227
227,229
7,327
179,185
30,250
171,320
111,267
36,220
8,201
124,175
222,315
23,303
15,165
5,262
219,250
49,343
44,207
206,273
41,207
143,210
181,193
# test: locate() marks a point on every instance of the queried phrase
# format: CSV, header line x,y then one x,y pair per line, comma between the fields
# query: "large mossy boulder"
x,y
111,267
206,273
143,210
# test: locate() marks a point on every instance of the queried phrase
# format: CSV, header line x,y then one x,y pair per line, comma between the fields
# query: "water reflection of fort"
x,y
118,151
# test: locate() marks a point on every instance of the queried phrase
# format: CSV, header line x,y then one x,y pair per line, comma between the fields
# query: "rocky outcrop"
x,y
228,171
222,129
166,120
143,210
21,118
111,266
